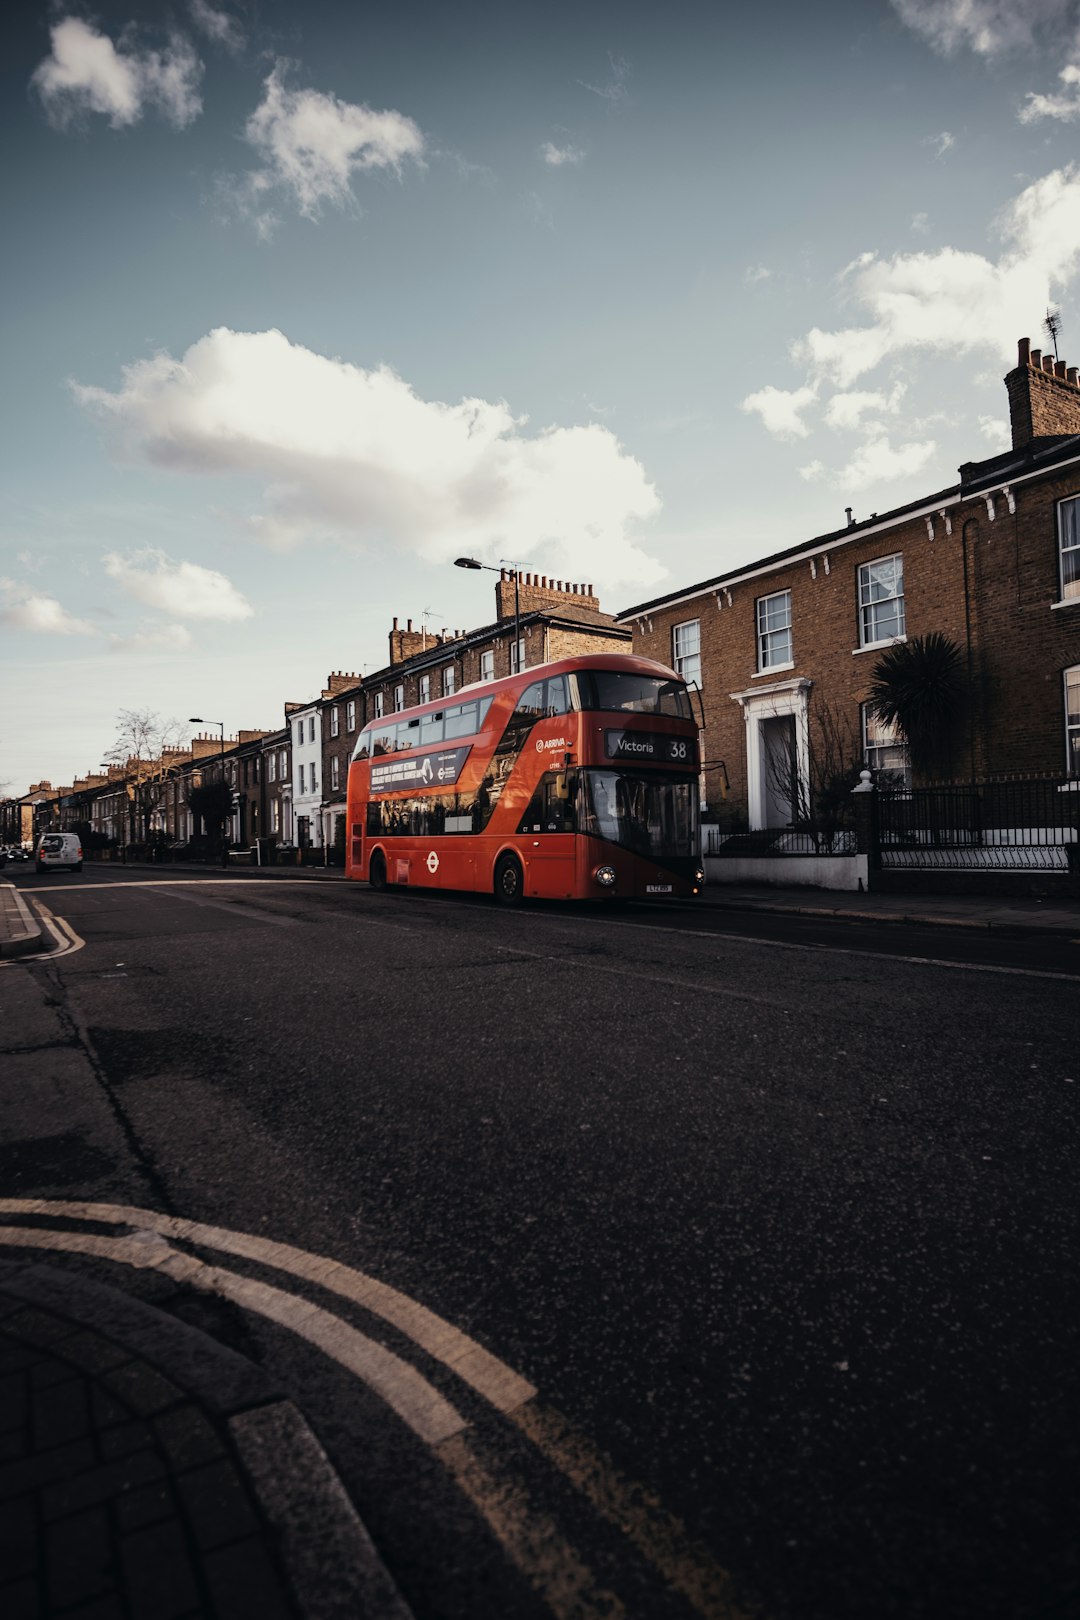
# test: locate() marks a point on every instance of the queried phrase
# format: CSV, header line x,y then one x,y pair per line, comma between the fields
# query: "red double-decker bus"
x,y
574,780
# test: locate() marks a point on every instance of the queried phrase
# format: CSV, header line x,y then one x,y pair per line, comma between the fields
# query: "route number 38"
x,y
677,749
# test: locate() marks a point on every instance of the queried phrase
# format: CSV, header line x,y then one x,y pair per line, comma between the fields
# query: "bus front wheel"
x,y
377,871
509,881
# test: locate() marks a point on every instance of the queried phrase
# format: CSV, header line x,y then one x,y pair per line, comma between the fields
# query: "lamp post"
x,y
197,720
471,562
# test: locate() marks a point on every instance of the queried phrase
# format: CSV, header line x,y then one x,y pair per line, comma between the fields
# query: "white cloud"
x,y
987,27
314,143
875,462
920,224
558,156
358,457
25,609
1063,107
957,301
183,590
87,73
846,411
154,638
616,91
780,409
941,143
217,25
997,431
755,273
813,471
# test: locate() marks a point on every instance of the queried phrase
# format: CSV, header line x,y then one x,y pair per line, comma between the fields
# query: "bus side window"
x,y
556,695
552,806
530,708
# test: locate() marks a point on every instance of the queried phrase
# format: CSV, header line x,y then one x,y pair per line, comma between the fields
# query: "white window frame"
x,y
314,784
487,664
350,715
303,779
425,689
399,699
868,604
271,767
379,705
311,728
773,653
884,748
517,656
335,721
275,815
284,764
1069,549
449,680
1071,678
300,733
335,772
686,650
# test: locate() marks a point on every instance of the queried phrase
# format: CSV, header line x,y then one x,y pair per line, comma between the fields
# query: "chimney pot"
x,y
1024,352
1048,363
1059,368
408,625
1072,375
543,581
395,624
1036,359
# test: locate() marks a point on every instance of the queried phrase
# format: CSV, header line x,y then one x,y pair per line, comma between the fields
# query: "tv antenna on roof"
x,y
1052,326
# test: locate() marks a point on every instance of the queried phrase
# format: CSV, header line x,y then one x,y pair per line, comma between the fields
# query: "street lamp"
x,y
471,562
197,720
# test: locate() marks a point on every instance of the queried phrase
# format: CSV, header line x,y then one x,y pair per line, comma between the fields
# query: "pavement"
x,y
147,1472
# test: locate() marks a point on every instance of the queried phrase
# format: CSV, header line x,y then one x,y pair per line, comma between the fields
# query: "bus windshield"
x,y
633,694
655,816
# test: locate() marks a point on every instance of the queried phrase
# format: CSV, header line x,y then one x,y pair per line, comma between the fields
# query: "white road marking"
x,y
427,1413
530,1537
491,1378
176,883
66,941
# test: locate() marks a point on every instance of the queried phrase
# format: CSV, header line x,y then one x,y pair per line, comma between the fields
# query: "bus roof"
x,y
617,663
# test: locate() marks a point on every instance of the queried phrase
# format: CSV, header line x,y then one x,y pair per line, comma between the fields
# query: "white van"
x,y
59,849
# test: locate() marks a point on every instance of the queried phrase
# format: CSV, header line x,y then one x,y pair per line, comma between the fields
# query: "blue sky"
x,y
301,303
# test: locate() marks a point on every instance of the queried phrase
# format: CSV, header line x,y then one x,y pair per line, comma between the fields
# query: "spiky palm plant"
x,y
918,686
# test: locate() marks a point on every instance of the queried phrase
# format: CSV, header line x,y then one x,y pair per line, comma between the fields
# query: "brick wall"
x,y
1015,643
1044,396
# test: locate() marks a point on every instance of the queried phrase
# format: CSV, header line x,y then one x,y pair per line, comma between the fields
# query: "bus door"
x,y
547,836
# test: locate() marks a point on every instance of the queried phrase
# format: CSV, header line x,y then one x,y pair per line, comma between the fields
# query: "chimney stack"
x,y
1044,397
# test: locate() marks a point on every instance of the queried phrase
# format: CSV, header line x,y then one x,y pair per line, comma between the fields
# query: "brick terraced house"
x,y
993,562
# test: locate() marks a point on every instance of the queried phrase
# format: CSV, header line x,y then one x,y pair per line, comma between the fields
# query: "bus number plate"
x,y
658,888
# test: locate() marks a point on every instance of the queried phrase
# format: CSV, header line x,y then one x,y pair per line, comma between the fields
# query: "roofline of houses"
x,y
989,480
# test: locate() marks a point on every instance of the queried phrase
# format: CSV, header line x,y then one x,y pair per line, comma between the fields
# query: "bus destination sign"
x,y
652,747
436,770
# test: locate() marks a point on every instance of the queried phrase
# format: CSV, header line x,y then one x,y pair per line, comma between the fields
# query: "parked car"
x,y
59,850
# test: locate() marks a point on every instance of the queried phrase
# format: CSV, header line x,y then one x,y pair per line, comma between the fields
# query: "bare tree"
x,y
820,796
142,740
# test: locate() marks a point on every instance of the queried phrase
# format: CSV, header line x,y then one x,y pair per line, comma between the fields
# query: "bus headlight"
x,y
605,876
699,875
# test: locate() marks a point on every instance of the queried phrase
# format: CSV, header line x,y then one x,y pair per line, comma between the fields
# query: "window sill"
x,y
878,646
773,669
1066,602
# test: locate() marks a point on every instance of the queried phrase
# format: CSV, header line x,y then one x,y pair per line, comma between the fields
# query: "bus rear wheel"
x,y
377,871
509,881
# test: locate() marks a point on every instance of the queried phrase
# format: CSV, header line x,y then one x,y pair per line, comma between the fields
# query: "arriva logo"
x,y
543,745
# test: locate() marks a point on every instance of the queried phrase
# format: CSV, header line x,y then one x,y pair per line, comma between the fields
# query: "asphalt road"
x,y
778,1217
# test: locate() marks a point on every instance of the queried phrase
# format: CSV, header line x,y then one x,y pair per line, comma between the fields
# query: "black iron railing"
x,y
1020,825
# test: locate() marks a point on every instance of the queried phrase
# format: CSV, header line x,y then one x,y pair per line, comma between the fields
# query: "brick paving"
x,y
121,1496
